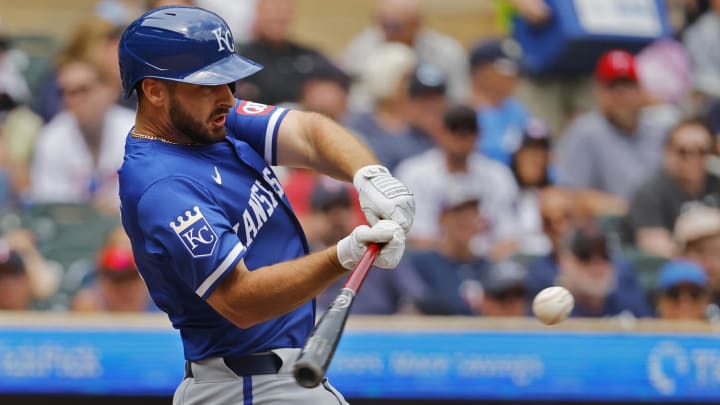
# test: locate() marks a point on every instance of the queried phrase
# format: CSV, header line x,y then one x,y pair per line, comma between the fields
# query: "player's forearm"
x,y
339,153
323,145
248,298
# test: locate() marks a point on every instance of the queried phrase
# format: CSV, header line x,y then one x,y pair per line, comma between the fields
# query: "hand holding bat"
x,y
319,349
314,359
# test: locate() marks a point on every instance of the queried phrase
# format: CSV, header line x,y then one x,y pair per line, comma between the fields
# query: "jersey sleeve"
x,y
189,231
257,124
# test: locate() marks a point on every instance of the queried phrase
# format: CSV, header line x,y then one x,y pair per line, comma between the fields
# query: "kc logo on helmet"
x,y
224,39
195,233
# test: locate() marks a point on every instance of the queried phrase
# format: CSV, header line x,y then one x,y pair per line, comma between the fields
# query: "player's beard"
x,y
195,130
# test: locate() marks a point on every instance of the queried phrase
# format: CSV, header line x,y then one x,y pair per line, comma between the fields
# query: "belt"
x,y
257,363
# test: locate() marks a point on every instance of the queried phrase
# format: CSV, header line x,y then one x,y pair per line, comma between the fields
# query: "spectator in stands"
x,y
502,118
78,153
89,41
531,166
15,284
44,276
117,286
556,94
700,39
386,130
19,126
287,63
455,162
427,102
504,290
683,179
452,273
664,71
333,215
401,21
601,282
697,233
682,291
331,212
683,13
325,91
560,213
608,153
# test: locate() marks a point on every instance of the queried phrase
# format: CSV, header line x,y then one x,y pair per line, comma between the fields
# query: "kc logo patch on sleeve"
x,y
195,233
253,108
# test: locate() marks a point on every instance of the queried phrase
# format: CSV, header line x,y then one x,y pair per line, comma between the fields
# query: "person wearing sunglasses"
x,y
602,283
683,291
682,180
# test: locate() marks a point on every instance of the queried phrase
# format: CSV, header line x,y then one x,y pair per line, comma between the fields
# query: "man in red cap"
x,y
608,152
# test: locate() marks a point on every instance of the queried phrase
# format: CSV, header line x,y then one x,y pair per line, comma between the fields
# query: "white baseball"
x,y
553,305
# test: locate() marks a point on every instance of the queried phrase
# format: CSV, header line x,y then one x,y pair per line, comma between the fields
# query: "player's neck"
x,y
158,128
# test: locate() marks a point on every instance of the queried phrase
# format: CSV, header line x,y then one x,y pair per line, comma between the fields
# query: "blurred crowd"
x,y
592,165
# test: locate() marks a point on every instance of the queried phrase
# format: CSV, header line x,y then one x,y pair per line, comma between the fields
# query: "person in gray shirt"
x,y
683,180
608,152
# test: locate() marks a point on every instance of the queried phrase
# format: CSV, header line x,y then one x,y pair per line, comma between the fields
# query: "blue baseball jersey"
x,y
193,212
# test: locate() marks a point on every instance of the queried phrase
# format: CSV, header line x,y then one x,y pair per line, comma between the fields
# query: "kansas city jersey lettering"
x,y
273,181
195,233
261,205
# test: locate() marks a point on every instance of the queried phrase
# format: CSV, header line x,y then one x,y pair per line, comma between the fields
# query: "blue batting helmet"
x,y
183,44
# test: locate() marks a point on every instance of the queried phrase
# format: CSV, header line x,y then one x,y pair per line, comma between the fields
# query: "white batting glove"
x,y
382,196
351,248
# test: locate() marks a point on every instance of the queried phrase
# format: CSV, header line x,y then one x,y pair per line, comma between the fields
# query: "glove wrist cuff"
x,y
343,256
368,172
335,260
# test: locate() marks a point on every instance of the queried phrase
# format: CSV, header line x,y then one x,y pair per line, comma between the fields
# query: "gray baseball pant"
x,y
213,383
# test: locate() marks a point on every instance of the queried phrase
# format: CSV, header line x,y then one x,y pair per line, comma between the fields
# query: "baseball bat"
x,y
315,356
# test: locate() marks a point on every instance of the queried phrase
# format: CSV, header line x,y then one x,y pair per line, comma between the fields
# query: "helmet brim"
x,y
228,70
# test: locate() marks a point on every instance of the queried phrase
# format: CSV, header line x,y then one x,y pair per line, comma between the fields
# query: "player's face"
x,y
199,112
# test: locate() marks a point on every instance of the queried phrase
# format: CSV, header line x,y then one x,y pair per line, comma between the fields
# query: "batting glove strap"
x,y
382,196
351,248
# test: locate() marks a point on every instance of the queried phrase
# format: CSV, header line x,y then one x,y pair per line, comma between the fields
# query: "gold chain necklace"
x,y
154,138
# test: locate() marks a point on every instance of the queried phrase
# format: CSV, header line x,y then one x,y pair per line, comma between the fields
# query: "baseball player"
x,y
212,231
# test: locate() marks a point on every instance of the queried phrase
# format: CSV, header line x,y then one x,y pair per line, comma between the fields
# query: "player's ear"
x,y
154,91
